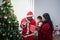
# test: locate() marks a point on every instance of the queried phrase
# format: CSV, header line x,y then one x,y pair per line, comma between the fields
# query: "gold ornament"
x,y
9,16
15,21
10,35
11,28
4,34
9,21
4,2
17,35
5,17
12,12
4,11
7,7
8,4
1,8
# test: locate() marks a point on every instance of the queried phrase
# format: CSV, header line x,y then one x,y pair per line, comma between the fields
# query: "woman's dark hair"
x,y
48,19
39,17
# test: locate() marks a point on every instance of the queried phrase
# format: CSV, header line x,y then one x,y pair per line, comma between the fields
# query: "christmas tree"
x,y
8,22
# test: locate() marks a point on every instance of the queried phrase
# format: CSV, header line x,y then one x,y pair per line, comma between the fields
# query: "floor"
x,y
56,38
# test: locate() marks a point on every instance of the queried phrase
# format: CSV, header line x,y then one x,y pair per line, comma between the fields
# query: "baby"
x,y
39,22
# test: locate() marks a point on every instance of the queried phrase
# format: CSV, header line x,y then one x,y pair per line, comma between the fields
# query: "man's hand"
x,y
25,36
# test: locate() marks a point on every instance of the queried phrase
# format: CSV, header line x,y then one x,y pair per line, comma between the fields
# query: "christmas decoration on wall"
x,y
9,26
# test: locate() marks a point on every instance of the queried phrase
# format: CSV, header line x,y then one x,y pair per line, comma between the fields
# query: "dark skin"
x,y
29,18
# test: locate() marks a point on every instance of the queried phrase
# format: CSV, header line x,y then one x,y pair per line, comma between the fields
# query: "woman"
x,y
39,22
45,33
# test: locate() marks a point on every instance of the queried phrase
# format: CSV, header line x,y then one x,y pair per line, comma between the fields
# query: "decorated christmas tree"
x,y
8,22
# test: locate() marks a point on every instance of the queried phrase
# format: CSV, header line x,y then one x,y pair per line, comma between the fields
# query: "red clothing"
x,y
45,32
32,22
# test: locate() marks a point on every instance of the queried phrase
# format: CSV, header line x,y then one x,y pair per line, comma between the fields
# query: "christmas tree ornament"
x,y
9,16
4,2
9,21
7,7
11,12
5,17
1,8
10,35
17,35
4,11
8,4
11,28
4,34
15,21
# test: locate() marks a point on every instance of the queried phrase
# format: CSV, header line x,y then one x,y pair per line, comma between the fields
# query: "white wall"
x,y
50,6
0,2
21,7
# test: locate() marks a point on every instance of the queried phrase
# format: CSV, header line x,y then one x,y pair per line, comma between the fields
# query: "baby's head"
x,y
39,19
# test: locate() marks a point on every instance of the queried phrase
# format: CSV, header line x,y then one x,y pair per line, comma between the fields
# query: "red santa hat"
x,y
29,14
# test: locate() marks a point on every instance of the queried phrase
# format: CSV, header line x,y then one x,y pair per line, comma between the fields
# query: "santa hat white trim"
x,y
29,16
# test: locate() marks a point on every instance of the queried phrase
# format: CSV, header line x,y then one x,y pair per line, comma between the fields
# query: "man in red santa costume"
x,y
28,25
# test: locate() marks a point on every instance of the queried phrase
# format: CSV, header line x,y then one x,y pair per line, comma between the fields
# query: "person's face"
x,y
29,18
43,19
39,20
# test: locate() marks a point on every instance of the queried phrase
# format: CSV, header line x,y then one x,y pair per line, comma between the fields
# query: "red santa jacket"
x,y
45,32
32,22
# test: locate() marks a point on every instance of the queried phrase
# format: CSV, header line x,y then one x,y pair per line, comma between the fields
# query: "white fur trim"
x,y
29,16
